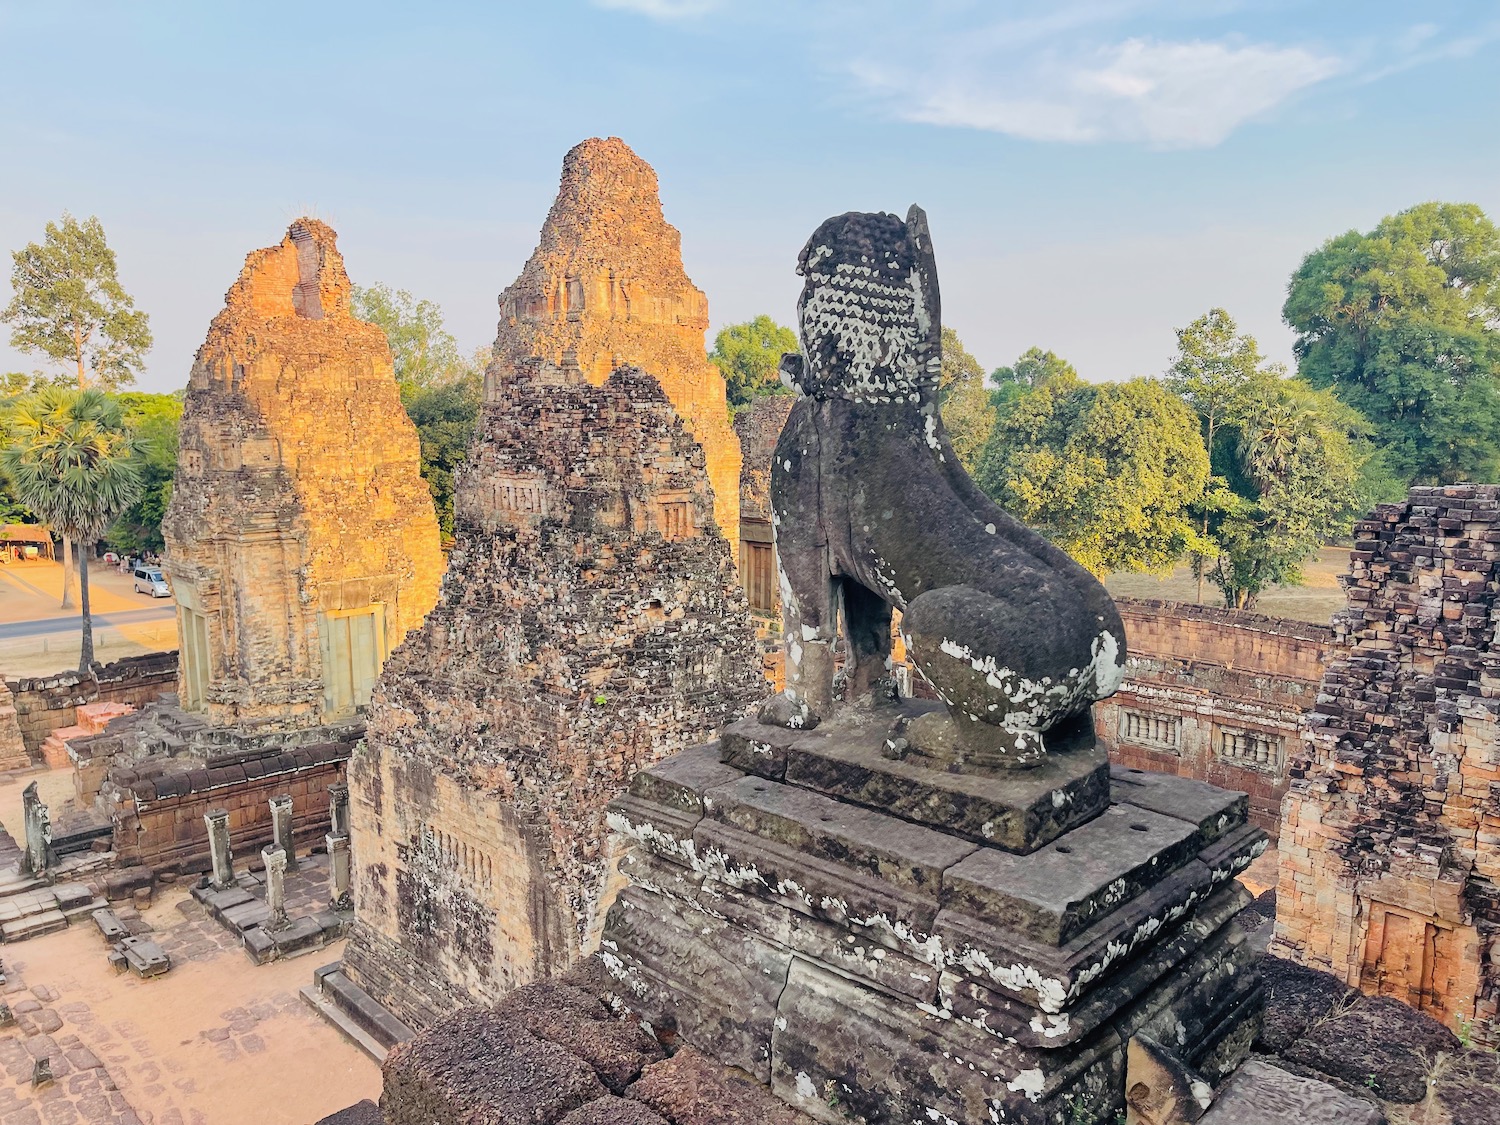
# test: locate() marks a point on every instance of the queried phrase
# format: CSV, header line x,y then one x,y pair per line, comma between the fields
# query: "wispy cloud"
x,y
1167,74
666,10
1161,93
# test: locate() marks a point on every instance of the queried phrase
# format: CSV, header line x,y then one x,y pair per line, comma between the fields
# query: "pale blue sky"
x,y
1096,172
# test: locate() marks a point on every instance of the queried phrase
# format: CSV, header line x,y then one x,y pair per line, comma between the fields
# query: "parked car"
x,y
150,580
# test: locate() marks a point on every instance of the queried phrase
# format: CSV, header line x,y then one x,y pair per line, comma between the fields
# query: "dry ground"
x,y
32,591
217,1041
1317,599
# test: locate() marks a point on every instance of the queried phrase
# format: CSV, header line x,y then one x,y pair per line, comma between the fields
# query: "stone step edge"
x,y
342,1023
358,1006
33,925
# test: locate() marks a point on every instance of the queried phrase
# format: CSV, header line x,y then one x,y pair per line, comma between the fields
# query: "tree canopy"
x,y
69,305
968,414
440,389
1403,324
1286,460
424,352
445,416
749,357
1107,471
152,419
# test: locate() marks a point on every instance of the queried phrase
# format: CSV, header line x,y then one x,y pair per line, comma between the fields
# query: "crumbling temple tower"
x,y
606,288
1390,838
590,625
302,544
891,910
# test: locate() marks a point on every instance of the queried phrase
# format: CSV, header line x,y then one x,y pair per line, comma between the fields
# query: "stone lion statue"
x,y
872,511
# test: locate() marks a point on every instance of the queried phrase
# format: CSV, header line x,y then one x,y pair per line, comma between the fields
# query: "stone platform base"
x,y
310,925
879,968
398,982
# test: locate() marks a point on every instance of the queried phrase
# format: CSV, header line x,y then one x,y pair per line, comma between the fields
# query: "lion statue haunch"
x,y
873,511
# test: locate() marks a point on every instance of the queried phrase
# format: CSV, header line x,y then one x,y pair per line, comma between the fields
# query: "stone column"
x,y
339,872
281,828
218,847
338,809
275,861
38,827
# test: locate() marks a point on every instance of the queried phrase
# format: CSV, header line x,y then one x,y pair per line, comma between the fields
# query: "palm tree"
x,y
70,461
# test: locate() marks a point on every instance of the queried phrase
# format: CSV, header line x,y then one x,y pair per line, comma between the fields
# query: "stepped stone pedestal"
x,y
885,941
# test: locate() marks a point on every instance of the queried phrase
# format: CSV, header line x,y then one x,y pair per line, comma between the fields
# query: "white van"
x,y
150,580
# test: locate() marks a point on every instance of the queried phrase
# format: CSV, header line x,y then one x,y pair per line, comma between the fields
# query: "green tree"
x,y
71,461
424,352
153,420
1219,372
749,357
1403,323
445,416
968,413
69,305
1294,483
1034,368
439,388
1106,471
1286,461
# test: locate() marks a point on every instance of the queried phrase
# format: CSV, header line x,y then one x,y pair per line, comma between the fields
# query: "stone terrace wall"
x,y
158,820
590,624
758,426
1214,694
13,755
48,703
1390,842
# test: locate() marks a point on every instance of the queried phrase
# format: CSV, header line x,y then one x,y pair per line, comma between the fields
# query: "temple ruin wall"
x,y
1215,694
163,826
48,703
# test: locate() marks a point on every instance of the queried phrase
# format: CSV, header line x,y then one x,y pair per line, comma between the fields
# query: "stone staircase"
x,y
356,1014
91,719
30,906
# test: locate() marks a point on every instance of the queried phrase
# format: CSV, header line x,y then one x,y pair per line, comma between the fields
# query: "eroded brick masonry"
x,y
301,539
1215,694
590,625
606,287
1390,842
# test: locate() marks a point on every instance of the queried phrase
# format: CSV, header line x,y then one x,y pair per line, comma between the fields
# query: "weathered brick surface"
x,y
1214,694
590,625
606,287
1390,841
158,813
298,497
758,426
48,703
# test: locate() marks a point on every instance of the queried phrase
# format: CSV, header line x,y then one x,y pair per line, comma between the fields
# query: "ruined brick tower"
x,y
605,287
590,625
301,539
1390,838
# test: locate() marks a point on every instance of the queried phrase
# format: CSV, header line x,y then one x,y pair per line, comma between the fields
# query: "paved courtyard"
x,y
199,1046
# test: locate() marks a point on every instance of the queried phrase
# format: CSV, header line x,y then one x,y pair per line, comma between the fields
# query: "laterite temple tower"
x,y
301,539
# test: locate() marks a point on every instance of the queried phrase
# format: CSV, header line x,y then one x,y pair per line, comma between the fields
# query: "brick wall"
x,y
1214,694
1390,842
159,820
48,703
590,624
